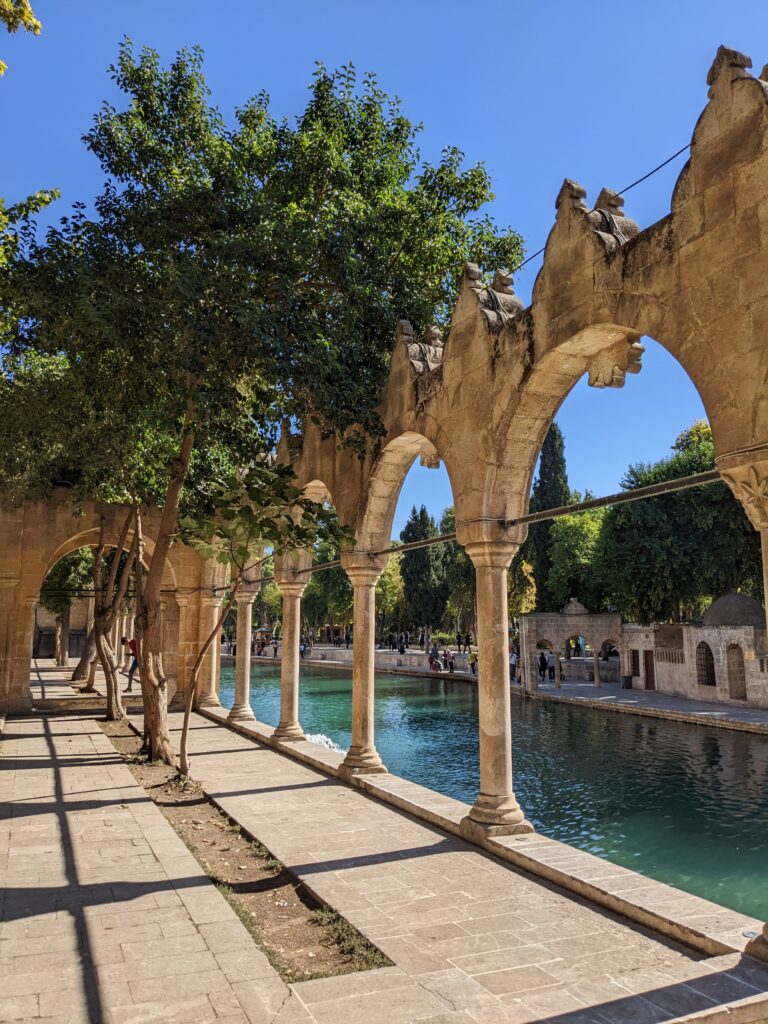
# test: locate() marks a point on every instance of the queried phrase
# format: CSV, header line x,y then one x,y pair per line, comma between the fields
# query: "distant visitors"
x,y
513,665
459,642
275,645
446,659
421,639
467,642
133,648
302,648
542,666
451,663
472,661
551,665
434,653
347,638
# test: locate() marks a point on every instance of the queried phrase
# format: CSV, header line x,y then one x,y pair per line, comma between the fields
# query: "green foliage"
x,y
69,575
229,276
328,599
573,539
16,14
390,594
426,590
665,557
459,576
550,490
522,587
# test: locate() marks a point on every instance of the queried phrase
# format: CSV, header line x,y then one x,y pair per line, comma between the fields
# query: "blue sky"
x,y
593,91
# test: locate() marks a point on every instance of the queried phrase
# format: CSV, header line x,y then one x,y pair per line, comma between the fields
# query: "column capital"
x,y
363,567
491,554
245,597
211,601
289,584
746,473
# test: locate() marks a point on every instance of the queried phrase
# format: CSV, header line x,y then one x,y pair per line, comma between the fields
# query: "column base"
x,y
362,761
290,733
208,700
177,701
495,816
241,713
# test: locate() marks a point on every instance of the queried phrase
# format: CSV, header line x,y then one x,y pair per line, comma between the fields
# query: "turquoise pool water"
x,y
680,803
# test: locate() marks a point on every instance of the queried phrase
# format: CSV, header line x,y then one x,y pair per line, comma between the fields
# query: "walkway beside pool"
x,y
611,697
107,918
475,939
472,938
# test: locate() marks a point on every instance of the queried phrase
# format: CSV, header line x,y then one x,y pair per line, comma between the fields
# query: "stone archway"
x,y
485,395
37,534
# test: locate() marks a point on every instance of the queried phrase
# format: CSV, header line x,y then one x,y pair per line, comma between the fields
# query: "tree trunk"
x,y
57,652
65,619
192,687
82,669
115,709
154,690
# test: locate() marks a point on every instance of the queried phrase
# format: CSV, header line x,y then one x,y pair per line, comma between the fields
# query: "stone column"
x,y
241,709
291,590
746,473
596,664
207,695
363,571
496,810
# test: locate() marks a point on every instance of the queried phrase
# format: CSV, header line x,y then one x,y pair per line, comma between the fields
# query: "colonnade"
x,y
496,810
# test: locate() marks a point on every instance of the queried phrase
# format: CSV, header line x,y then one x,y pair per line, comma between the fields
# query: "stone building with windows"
x,y
723,659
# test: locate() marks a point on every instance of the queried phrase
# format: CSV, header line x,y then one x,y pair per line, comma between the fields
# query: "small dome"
x,y
574,607
735,610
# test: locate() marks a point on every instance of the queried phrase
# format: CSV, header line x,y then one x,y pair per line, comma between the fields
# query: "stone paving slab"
x,y
472,939
106,916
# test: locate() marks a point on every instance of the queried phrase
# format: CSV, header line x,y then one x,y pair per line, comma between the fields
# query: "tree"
x,y
228,277
390,594
423,570
522,587
60,588
459,577
550,490
16,14
572,572
328,598
664,558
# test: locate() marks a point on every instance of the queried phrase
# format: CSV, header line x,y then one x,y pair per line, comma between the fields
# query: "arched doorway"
x,y
705,665
737,679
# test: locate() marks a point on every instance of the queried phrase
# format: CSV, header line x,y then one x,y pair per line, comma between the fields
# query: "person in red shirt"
x,y
133,648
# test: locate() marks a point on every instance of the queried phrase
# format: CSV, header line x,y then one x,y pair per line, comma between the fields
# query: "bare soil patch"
x,y
301,938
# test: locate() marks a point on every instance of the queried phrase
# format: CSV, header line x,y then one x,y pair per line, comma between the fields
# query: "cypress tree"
x,y
423,571
550,490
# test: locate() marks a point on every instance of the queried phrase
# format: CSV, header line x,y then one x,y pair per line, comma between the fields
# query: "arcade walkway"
x,y
108,918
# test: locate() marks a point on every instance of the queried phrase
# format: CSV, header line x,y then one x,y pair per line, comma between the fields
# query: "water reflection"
x,y
682,803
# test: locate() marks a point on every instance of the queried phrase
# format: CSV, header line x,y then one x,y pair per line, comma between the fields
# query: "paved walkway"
x,y
664,705
472,939
106,916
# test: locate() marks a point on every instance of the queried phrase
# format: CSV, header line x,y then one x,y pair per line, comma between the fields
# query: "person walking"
x,y
542,666
473,662
134,651
459,642
513,665
551,665
467,642
275,645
